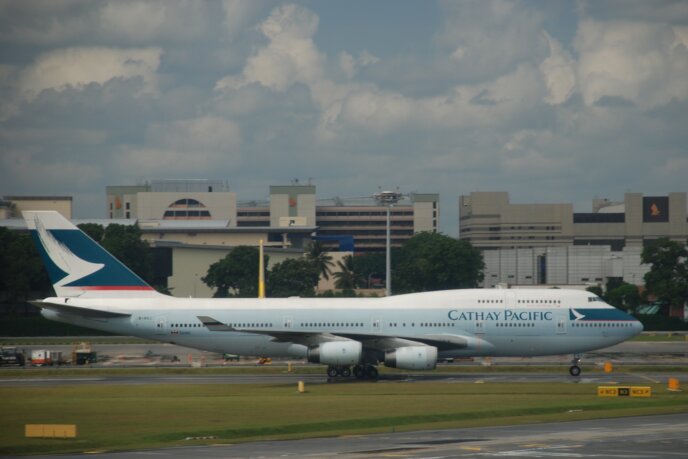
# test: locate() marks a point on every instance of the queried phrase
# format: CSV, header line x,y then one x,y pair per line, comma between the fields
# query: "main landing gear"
x,y
359,372
574,369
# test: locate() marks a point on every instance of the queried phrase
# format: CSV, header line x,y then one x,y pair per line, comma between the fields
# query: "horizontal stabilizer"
x,y
78,310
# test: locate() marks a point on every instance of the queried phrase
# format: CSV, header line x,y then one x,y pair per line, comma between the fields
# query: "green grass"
x,y
661,337
116,417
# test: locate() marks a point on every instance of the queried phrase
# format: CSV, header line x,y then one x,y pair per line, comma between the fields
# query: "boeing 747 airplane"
x,y
349,335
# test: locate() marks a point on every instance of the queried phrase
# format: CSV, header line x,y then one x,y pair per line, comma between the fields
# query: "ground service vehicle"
x,y
10,356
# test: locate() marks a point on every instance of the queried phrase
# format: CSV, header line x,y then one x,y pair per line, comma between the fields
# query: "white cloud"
x,y
488,38
154,20
77,67
643,63
205,133
239,14
290,57
559,73
351,65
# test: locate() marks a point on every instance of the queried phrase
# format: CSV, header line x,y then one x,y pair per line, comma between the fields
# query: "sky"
x,y
552,101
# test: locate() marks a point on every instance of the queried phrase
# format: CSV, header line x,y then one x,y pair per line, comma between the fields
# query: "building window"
x,y
187,209
128,215
127,206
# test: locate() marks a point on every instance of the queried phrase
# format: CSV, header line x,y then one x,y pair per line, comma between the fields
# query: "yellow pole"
x,y
261,273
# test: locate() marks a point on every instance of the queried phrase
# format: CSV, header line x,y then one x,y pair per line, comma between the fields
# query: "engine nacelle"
x,y
336,353
412,358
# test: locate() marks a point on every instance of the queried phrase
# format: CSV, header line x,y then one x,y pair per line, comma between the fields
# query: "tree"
x,y
236,274
124,243
21,269
94,231
292,277
316,254
668,275
432,261
369,265
347,278
625,296
596,289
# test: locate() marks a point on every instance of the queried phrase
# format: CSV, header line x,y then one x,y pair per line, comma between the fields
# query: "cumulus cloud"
x,y
488,38
644,63
77,67
479,95
290,57
351,65
559,72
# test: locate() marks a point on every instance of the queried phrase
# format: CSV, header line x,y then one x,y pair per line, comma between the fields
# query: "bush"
x,y
661,323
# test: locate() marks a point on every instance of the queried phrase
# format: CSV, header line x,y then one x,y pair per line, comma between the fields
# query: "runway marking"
x,y
650,379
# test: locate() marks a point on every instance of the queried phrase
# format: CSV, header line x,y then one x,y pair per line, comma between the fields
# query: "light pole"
x,y
388,198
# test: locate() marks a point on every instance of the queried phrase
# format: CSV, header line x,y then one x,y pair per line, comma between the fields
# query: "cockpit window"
x,y
594,298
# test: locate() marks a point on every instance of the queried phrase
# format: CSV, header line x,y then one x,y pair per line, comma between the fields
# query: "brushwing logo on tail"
x,y
75,267
575,315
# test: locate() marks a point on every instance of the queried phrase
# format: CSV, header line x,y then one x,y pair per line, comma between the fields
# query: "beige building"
x,y
489,221
367,222
531,244
189,264
13,206
173,200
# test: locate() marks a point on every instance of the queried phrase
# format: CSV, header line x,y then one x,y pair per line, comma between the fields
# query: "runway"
x,y
630,438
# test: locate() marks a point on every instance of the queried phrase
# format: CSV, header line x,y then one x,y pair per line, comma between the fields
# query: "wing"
x,y
378,342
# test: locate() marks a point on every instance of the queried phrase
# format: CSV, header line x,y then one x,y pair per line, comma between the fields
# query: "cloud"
x,y
205,133
77,67
644,63
55,174
489,38
154,20
486,95
290,57
350,65
559,72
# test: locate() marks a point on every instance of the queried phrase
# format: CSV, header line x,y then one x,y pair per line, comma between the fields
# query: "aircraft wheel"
x,y
371,372
332,372
575,370
345,372
359,372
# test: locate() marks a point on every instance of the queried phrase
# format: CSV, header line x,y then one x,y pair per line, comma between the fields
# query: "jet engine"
x,y
412,358
336,353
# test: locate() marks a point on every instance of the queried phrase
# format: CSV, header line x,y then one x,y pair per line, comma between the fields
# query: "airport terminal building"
x,y
549,244
359,224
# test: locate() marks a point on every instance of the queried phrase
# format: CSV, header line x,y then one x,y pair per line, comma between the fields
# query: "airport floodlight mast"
x,y
388,199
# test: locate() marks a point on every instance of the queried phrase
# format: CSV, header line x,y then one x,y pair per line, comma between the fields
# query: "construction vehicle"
x,y
10,356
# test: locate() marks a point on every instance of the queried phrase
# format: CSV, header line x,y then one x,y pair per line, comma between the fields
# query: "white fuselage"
x,y
496,322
